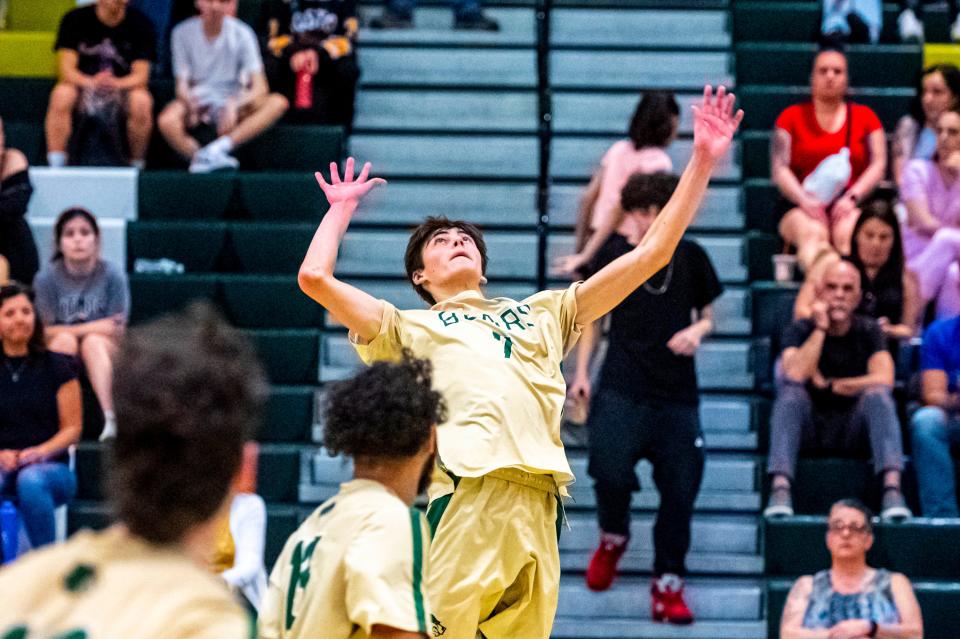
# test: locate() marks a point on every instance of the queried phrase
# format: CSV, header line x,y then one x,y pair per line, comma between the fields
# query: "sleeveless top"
x,y
827,607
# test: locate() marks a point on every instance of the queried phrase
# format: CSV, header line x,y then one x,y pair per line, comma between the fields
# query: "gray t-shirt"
x,y
219,68
63,299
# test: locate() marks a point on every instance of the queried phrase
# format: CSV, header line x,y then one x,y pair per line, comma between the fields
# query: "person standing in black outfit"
x,y
16,240
646,405
314,60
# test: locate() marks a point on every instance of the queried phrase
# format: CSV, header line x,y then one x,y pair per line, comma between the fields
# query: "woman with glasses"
x,y
851,600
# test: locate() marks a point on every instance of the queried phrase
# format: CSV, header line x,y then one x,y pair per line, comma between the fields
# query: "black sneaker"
x,y
478,22
390,20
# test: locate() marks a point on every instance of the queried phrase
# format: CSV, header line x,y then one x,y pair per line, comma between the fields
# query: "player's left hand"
x,y
714,122
32,455
685,342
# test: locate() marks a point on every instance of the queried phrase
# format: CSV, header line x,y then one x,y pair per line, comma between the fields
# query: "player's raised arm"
x,y
714,125
355,309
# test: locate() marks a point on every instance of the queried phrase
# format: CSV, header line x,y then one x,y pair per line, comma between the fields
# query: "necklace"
x,y
15,372
660,290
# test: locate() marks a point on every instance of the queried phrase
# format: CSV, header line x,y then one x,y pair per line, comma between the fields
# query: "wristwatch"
x,y
873,629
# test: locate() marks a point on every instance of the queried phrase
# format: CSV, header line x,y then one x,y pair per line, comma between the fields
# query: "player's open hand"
x,y
714,122
348,189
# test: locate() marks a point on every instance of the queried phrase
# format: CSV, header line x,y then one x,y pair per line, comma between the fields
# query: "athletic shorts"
x,y
494,559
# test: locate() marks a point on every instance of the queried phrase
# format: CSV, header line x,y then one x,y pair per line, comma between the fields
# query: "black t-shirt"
x,y
310,22
882,297
100,47
638,361
842,355
28,407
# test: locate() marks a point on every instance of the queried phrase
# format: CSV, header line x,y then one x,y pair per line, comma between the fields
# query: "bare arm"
x,y
71,423
903,144
920,219
868,180
911,621
360,312
580,387
109,326
780,171
183,91
67,65
805,299
791,622
714,126
880,372
911,309
935,390
800,364
138,77
258,88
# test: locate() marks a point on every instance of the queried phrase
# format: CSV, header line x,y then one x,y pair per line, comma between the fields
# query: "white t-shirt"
x,y
216,69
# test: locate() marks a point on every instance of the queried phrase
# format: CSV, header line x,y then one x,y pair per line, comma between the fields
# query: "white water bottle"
x,y
830,178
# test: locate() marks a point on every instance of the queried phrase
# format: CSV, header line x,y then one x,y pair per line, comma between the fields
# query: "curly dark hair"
x,y
189,392
37,346
387,410
644,190
652,122
413,258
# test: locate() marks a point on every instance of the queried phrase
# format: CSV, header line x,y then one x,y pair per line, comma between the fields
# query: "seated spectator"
x,y
313,43
931,236
835,393
851,599
467,15
40,417
241,535
85,302
937,425
104,53
220,82
910,21
16,240
916,135
189,391
820,198
652,129
890,290
649,380
853,21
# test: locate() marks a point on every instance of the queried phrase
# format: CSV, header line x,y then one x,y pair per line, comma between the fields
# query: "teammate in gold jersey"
x,y
494,504
355,568
188,391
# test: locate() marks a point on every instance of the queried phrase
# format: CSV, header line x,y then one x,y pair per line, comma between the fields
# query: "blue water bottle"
x,y
9,531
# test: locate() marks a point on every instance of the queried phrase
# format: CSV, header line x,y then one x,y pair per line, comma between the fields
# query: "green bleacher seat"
x,y
271,248
181,195
789,64
25,99
940,603
293,148
288,416
93,515
154,295
761,247
760,198
822,481
289,356
268,301
89,470
278,473
196,245
282,521
763,104
28,137
772,307
283,196
755,160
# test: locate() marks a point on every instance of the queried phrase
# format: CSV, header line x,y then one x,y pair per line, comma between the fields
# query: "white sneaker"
x,y
109,429
911,29
955,30
210,159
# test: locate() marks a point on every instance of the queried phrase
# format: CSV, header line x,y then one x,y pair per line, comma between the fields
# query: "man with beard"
x,y
356,567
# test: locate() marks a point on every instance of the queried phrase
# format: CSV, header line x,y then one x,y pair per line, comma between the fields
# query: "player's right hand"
x,y
348,189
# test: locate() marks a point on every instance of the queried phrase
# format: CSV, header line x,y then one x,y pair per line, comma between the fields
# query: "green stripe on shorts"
x,y
418,569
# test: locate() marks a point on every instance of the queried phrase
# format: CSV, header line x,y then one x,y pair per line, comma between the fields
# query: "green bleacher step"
x,y
687,70
603,28
289,356
431,111
582,112
449,67
432,27
789,64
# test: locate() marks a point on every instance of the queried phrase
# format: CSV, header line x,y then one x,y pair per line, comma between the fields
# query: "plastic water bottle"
x,y
9,531
830,178
304,97
163,266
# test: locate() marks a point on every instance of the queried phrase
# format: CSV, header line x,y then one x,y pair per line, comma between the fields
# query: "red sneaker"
x,y
666,601
603,565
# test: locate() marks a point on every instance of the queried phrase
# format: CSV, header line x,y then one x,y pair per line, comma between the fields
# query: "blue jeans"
x,y
39,489
461,8
932,433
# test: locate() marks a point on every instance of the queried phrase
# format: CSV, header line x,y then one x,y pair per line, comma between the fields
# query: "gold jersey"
x,y
110,584
497,364
358,561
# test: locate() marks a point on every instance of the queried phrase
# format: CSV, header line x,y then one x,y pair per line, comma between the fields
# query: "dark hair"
x,y
36,346
856,504
652,122
951,77
644,190
413,258
188,392
891,273
386,411
65,217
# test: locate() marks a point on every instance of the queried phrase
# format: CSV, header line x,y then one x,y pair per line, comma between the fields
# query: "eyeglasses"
x,y
840,527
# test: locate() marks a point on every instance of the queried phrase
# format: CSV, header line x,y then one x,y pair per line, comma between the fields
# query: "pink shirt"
x,y
620,162
923,182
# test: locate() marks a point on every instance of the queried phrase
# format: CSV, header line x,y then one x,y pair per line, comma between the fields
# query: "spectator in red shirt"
x,y
807,133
